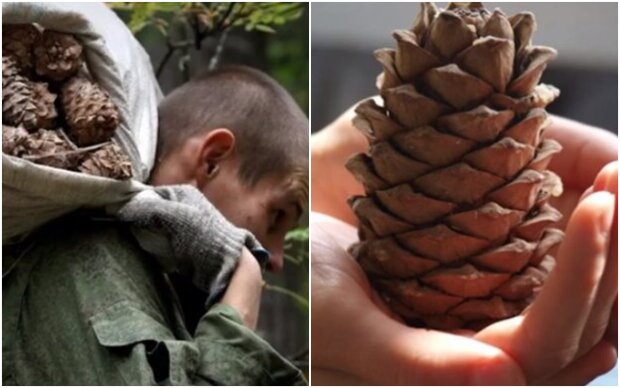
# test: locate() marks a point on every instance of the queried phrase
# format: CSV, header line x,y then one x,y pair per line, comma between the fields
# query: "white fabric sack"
x,y
35,194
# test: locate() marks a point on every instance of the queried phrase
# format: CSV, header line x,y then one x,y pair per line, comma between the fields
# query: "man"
x,y
84,303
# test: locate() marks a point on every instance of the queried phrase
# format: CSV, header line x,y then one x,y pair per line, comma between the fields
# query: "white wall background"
x,y
585,34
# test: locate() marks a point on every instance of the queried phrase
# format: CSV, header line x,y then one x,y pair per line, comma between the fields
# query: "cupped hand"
x,y
568,336
562,339
355,339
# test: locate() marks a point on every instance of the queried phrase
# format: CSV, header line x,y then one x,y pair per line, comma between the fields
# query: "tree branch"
x,y
172,47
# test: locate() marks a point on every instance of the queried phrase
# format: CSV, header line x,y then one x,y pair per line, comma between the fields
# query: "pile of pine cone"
x,y
52,111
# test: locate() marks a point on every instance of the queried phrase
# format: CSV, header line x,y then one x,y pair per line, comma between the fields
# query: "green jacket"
x,y
84,305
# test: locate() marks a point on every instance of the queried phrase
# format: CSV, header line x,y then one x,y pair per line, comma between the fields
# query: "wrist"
x,y
245,288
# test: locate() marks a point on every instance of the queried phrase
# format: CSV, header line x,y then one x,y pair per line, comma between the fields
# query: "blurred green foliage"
x,y
296,253
287,53
187,24
209,17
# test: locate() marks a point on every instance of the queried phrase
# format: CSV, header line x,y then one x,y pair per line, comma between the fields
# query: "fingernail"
x,y
602,182
605,201
588,191
607,178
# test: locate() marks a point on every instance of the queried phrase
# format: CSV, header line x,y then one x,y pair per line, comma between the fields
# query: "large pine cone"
x,y
91,116
17,42
58,56
25,103
454,228
109,161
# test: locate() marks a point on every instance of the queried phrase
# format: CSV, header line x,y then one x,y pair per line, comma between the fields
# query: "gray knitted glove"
x,y
187,234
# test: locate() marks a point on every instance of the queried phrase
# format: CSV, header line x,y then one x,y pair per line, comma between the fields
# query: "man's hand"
x,y
358,340
244,290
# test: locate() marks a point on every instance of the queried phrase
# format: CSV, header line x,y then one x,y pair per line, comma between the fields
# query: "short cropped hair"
x,y
270,129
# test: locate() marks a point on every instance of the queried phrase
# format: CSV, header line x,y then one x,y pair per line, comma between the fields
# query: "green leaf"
x,y
265,28
299,234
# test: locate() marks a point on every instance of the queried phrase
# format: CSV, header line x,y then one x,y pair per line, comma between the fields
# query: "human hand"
x,y
570,343
586,151
358,341
245,288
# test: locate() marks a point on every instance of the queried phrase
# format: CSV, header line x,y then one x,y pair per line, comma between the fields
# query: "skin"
x,y
359,341
269,209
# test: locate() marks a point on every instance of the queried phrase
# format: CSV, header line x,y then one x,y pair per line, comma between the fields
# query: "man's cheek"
x,y
256,225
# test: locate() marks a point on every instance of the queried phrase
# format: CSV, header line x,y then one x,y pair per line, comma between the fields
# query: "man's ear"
x,y
217,146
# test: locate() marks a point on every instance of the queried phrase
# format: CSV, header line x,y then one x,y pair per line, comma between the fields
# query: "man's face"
x,y
269,209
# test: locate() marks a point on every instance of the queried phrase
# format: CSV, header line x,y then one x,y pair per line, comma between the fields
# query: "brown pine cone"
x,y
24,102
13,139
47,147
44,101
17,42
57,55
10,70
18,105
455,224
109,161
89,111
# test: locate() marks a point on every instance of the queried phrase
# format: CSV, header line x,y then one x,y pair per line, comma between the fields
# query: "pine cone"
x,y
10,70
89,111
454,227
13,139
17,42
44,101
49,148
109,161
57,55
24,102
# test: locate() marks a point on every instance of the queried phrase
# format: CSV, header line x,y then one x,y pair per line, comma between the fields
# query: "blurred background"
x,y
585,35
187,38
344,36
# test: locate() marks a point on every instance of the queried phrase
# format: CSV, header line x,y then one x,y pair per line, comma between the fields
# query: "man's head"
x,y
240,138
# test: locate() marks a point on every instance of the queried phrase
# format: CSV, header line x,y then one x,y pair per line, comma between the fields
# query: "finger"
x,y
611,335
607,178
599,360
586,150
608,287
588,191
547,337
